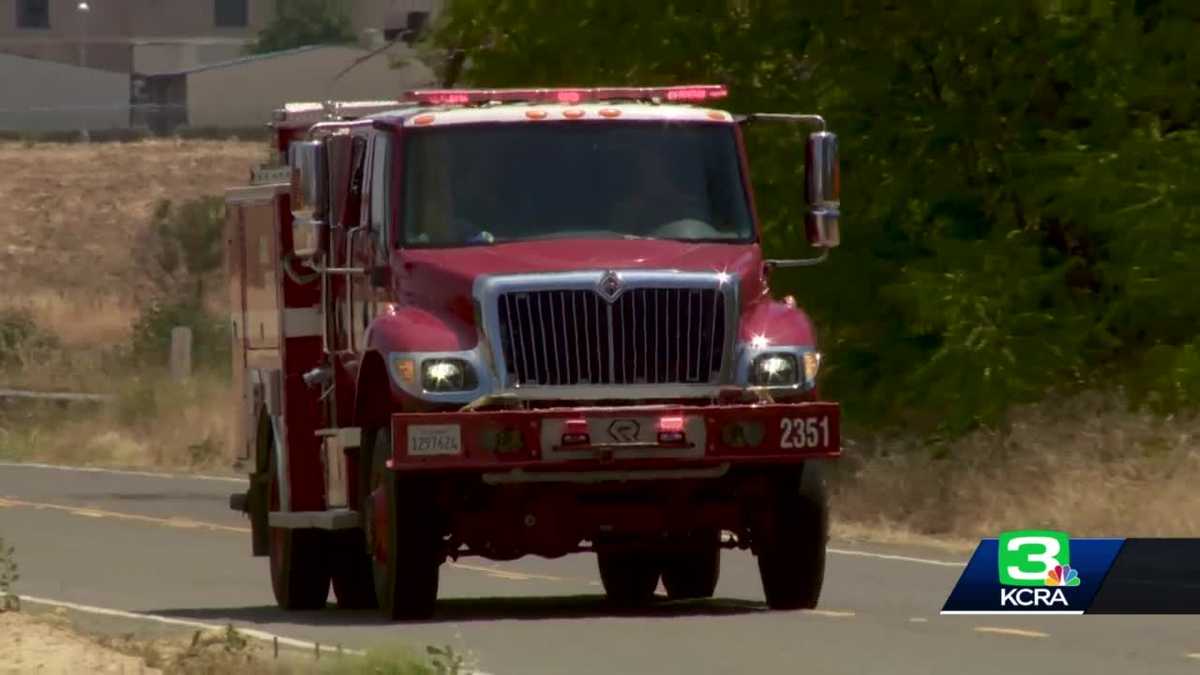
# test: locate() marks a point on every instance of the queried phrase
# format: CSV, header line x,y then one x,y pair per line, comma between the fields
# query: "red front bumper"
x,y
620,438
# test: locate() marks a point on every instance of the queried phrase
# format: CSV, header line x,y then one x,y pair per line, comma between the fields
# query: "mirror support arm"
x,y
815,120
799,262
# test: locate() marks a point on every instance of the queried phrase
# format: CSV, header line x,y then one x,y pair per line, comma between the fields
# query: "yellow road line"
x,y
88,512
1016,632
918,619
832,613
1193,655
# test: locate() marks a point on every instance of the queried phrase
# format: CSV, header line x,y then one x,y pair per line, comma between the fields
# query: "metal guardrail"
x,y
66,396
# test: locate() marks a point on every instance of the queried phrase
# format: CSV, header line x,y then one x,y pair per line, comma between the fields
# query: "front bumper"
x,y
614,443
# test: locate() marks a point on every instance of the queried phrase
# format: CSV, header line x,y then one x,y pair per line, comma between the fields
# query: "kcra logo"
x,y
1032,597
1035,565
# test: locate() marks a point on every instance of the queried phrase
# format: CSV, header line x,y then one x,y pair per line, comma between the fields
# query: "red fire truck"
x,y
503,323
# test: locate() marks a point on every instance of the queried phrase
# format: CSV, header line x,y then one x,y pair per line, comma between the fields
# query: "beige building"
x,y
156,36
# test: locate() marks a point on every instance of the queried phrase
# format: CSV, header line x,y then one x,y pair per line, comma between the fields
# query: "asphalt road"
x,y
170,547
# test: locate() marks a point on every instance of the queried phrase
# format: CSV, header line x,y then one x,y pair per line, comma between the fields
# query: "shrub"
x,y
21,339
184,247
8,577
150,343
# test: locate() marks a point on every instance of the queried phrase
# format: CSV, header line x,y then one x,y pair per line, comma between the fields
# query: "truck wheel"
x,y
351,570
404,541
692,572
299,567
791,556
629,578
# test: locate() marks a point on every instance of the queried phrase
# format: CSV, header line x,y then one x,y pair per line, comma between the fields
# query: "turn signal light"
x,y
670,430
575,432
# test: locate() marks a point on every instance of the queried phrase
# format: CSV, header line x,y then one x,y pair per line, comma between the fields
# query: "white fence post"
x,y
181,353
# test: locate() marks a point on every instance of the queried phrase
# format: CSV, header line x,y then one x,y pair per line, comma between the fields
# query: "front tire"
x,y
299,566
351,571
791,553
404,540
629,578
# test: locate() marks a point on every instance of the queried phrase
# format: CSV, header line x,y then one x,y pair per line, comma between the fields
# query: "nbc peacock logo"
x,y
1062,575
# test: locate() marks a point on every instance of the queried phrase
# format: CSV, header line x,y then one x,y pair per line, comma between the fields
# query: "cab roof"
x,y
443,107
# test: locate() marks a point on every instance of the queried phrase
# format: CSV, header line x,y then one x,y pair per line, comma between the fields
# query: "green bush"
x,y
1021,196
150,343
184,249
21,339
8,577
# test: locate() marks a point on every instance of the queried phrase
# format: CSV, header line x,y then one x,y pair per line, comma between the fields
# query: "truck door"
x,y
370,245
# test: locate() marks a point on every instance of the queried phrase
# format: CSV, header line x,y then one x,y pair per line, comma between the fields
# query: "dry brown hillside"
x,y
69,212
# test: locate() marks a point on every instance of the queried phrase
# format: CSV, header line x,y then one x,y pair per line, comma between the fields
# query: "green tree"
x,y
1020,184
299,23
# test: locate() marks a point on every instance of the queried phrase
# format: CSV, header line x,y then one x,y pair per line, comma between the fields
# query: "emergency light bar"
x,y
681,94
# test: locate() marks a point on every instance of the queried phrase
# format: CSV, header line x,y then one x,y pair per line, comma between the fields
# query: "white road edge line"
x,y
188,623
900,558
119,472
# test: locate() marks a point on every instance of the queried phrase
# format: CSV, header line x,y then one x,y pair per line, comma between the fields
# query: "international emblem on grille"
x,y
610,286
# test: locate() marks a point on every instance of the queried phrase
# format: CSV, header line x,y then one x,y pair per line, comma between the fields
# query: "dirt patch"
x,y
31,644
69,215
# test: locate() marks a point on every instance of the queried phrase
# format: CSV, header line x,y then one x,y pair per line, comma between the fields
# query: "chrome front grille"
x,y
644,336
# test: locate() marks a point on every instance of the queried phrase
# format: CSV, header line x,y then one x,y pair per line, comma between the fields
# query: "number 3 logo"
x,y
1027,557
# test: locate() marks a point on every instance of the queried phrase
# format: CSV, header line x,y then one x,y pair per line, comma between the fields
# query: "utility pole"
x,y
82,9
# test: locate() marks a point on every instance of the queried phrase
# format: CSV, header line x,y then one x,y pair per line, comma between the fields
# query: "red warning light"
x,y
681,94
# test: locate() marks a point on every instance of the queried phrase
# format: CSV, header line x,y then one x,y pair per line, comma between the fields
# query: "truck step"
x,y
239,501
333,519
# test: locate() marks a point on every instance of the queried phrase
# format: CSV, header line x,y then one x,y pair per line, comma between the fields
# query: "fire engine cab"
x,y
503,323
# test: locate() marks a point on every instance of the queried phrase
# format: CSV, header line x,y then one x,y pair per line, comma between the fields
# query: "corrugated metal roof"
x,y
258,57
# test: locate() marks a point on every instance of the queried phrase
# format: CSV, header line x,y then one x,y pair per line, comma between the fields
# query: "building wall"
x,y
108,19
110,26
48,96
244,94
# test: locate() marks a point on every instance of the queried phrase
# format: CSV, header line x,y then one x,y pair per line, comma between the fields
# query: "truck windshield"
x,y
480,184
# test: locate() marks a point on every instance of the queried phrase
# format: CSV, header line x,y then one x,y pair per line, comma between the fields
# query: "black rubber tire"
x,y
299,562
791,558
350,569
629,578
692,573
406,578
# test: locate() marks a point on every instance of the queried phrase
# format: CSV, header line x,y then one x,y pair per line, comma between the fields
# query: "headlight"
x,y
447,375
774,370
785,369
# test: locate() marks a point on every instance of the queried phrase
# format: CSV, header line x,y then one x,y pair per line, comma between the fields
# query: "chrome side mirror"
x,y
822,190
309,197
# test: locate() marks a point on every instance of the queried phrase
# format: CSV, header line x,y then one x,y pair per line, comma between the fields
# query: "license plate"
x,y
430,440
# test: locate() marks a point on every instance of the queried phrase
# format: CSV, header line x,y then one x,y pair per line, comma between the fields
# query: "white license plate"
x,y
430,440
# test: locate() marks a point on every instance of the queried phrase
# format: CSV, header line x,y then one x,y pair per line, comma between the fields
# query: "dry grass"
x,y
151,422
78,320
1084,464
69,213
